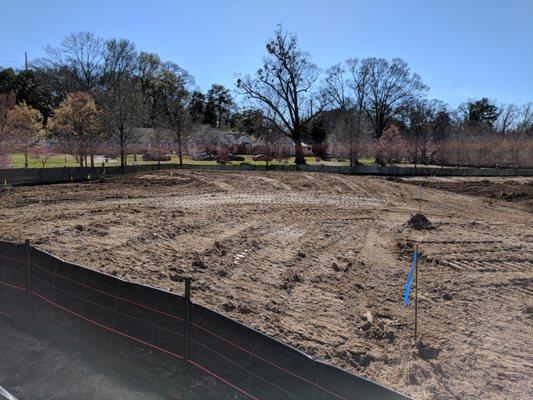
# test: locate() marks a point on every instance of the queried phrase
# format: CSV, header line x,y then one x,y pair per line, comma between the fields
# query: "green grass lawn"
x,y
17,161
63,160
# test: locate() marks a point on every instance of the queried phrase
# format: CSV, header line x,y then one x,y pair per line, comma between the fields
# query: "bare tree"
x,y
180,123
336,87
159,138
507,118
170,108
389,87
350,132
344,88
124,110
269,136
283,87
121,98
120,62
525,119
419,116
79,59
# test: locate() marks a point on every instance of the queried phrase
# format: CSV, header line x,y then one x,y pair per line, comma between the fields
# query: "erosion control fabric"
x,y
186,350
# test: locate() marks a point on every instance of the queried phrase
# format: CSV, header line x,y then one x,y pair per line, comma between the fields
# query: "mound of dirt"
x,y
419,221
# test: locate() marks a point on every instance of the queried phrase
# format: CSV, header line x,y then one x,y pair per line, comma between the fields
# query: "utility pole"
x,y
26,60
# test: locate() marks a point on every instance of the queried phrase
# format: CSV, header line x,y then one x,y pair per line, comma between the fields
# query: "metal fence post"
x,y
28,285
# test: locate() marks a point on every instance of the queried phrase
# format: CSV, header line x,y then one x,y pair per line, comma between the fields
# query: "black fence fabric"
x,y
163,337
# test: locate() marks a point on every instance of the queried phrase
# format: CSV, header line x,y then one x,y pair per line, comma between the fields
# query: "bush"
x,y
5,158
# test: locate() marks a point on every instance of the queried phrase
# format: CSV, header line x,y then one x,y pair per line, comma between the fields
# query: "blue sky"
x,y
462,49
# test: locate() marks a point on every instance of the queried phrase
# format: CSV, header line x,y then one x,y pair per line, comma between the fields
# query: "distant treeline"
x,y
89,93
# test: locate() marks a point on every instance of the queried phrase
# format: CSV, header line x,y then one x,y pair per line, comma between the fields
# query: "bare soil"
x,y
320,261
516,190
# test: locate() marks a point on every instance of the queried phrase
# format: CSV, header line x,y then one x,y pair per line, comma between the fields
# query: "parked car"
x,y
204,157
156,157
261,157
235,157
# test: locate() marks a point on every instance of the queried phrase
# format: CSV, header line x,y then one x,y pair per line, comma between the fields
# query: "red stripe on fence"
x,y
221,379
143,342
108,294
13,286
198,326
13,259
202,328
270,362
106,327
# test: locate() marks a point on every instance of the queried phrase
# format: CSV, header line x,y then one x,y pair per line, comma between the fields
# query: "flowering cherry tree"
x,y
391,146
43,153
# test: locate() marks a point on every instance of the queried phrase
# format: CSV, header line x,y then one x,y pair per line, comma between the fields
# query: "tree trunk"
x,y
424,153
122,155
416,149
123,158
298,148
92,160
25,158
180,154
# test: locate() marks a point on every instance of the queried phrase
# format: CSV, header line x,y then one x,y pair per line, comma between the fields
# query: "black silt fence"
x,y
183,349
37,176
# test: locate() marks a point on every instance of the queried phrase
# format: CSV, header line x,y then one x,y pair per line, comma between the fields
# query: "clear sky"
x,y
461,48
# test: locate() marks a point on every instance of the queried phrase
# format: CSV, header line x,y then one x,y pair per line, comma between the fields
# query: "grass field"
x,y
63,160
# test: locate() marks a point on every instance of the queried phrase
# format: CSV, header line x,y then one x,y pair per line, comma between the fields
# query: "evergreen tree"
x,y
219,102
197,107
480,112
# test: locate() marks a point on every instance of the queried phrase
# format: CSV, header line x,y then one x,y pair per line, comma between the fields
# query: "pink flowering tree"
x,y
43,153
5,158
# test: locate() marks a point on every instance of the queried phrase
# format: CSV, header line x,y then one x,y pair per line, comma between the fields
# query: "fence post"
x,y
187,319
185,376
28,272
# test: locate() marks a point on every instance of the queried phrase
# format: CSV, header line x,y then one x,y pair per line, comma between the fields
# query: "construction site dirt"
x,y
319,261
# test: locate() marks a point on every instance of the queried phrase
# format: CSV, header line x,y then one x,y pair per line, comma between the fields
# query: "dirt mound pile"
x,y
419,221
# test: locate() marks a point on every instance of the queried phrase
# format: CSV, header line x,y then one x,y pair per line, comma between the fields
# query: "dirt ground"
x,y
320,262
